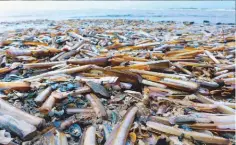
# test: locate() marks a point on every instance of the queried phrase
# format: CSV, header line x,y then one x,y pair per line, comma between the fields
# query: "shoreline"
x,y
94,18
45,23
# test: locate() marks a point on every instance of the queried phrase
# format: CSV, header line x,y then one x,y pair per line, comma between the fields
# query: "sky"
x,y
6,6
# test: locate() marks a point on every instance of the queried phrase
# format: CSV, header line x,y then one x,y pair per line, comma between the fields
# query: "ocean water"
x,y
192,14
178,15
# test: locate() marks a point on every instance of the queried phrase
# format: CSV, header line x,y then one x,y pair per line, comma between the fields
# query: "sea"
x,y
12,20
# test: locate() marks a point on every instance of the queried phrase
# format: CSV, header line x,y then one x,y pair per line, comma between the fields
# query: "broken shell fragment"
x,y
121,134
180,84
198,136
19,114
90,136
43,95
21,128
97,105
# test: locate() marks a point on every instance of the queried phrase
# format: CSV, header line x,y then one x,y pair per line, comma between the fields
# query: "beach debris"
x,y
97,88
19,127
75,130
118,82
90,136
5,137
96,105
43,95
119,135
8,109
187,134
